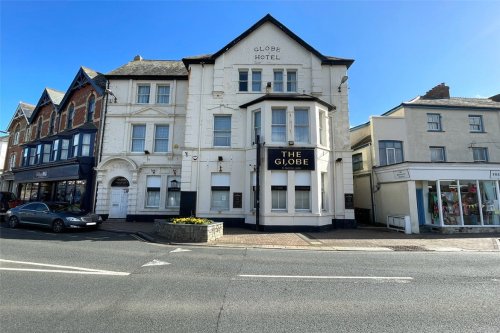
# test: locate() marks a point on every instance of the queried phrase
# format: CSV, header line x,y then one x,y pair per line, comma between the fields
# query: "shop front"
x,y
70,181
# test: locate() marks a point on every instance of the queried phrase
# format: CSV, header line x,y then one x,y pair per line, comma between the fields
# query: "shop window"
x,y
301,123
291,80
470,202
256,80
71,115
490,202
434,122
153,184
480,154
278,125
303,190
476,123
279,181
220,191
357,162
138,138
243,80
47,148
91,108
278,81
64,149
163,94
450,202
222,131
143,93
256,125
174,192
161,138
438,154
390,152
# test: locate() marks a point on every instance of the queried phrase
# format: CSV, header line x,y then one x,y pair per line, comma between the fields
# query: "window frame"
x,y
255,82
484,153
443,153
357,164
137,139
299,127
278,83
15,140
217,133
291,86
39,126
275,126
175,191
437,122
71,116
158,95
52,122
242,82
156,139
480,125
91,108
150,190
143,95
390,150
257,130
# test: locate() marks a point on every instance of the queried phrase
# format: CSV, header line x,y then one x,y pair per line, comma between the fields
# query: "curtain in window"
x,y
291,81
143,94
256,80
278,81
222,131
161,138
86,138
278,126
301,125
138,136
163,95
153,184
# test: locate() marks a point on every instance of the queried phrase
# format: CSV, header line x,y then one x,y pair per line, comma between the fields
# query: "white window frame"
x,y
322,128
298,126
255,82
173,193
483,152
162,139
242,83
256,128
357,162
153,186
278,85
220,191
64,149
434,153
12,161
47,149
86,144
291,86
223,133
75,146
279,190
434,120
143,95
476,124
302,186
276,126
159,96
138,139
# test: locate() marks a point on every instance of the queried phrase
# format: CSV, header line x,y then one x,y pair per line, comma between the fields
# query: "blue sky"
x,y
401,48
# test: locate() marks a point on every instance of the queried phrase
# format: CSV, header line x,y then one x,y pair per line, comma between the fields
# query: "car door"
x,y
28,213
43,215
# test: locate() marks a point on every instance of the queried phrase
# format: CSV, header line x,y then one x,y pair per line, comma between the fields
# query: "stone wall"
x,y
190,233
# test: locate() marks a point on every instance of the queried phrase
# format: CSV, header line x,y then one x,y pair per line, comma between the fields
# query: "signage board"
x,y
237,200
495,174
290,159
349,200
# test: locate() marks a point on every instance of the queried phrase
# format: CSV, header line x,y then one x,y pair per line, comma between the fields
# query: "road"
x,y
96,281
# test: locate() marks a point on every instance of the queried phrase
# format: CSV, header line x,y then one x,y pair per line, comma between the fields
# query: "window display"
x,y
450,203
470,202
490,203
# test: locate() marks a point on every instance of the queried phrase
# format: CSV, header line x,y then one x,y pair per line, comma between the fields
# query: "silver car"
x,y
55,215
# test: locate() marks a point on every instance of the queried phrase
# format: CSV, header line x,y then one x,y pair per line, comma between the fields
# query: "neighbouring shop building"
x,y
57,157
434,159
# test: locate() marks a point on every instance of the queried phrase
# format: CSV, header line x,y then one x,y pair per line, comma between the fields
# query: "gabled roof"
x,y
83,77
210,58
288,97
150,69
23,110
49,95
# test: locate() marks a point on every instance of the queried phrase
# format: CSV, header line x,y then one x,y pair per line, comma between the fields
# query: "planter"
x,y
189,233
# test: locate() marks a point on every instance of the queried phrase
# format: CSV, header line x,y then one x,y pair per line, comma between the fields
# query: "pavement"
x,y
363,238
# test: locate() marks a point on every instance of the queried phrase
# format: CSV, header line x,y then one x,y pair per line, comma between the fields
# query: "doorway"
x,y
119,198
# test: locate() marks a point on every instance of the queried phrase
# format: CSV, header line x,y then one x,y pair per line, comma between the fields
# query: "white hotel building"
x,y
267,83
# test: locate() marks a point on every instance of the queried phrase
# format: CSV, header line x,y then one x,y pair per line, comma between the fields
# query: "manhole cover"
x,y
408,248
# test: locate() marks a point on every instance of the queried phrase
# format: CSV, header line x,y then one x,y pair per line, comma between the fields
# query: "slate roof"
x,y
26,108
97,77
55,95
287,97
460,102
210,58
362,142
149,68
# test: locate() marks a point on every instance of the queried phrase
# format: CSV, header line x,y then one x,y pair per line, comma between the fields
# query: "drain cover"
x,y
408,248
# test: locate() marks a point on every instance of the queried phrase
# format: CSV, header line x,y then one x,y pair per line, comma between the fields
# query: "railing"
x,y
399,223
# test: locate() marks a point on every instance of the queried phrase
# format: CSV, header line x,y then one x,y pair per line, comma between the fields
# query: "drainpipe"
x,y
199,140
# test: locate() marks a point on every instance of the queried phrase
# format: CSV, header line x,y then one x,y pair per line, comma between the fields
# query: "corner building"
x,y
267,83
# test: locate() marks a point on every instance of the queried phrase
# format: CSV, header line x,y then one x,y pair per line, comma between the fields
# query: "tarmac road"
x,y
98,281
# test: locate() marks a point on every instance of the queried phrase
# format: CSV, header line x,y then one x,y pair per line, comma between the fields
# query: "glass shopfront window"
x,y
489,202
463,203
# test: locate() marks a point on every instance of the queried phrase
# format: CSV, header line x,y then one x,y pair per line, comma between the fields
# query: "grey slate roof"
x,y
461,102
55,95
150,68
27,109
97,77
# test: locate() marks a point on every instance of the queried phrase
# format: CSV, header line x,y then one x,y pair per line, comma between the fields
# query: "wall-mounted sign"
x,y
349,200
41,174
495,174
267,52
401,174
290,159
237,200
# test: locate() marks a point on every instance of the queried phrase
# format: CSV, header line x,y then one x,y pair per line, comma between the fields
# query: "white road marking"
x,y
156,262
75,270
180,250
328,277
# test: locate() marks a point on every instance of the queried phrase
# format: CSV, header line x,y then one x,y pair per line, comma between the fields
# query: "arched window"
x,y
91,108
16,135
39,128
71,115
52,122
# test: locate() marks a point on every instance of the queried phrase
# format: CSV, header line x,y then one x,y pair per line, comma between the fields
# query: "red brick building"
x,y
56,163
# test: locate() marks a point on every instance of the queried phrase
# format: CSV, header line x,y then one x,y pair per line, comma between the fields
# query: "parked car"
x,y
8,200
55,215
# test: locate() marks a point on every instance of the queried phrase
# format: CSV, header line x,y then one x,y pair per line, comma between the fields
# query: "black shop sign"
x,y
290,159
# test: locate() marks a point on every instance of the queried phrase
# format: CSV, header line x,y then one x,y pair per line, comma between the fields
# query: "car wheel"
x,y
57,226
13,222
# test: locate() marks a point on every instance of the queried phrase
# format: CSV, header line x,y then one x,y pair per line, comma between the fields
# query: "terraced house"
x,y
434,160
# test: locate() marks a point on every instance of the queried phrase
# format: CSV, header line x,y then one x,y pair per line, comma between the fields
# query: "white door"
x,y
119,203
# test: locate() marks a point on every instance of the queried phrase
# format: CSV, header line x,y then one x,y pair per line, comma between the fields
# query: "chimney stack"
x,y
440,91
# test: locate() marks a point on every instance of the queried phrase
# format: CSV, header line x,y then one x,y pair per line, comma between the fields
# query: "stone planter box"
x,y
189,233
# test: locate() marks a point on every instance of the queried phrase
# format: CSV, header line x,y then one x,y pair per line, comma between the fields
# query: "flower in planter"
x,y
191,220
